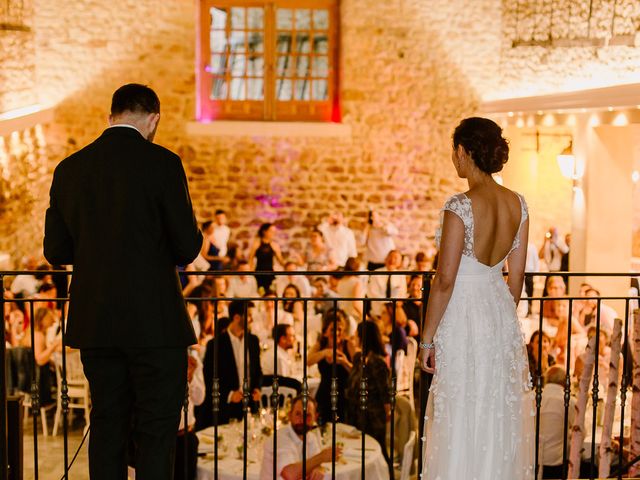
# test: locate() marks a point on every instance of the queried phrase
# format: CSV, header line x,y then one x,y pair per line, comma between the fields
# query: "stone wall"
x,y
410,70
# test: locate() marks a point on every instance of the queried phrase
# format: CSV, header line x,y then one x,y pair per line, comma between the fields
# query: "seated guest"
x,y
186,436
560,341
299,281
387,286
244,286
393,334
14,328
318,256
292,305
552,422
351,286
323,295
604,357
554,287
284,338
265,318
289,455
322,354
231,369
532,350
373,420
590,310
422,262
43,351
413,306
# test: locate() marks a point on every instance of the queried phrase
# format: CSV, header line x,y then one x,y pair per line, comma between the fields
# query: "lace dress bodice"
x,y
460,205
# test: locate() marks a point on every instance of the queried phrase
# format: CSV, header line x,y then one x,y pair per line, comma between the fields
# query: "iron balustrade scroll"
x,y
620,467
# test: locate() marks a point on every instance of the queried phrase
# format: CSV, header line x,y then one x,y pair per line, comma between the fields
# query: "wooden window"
x,y
268,60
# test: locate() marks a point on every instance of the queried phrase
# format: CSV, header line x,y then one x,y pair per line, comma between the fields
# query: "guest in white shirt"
x,y
289,455
25,286
378,240
532,265
339,238
244,286
221,233
387,286
300,281
552,422
187,437
285,338
265,318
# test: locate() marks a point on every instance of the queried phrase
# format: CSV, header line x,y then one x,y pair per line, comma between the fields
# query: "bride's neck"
x,y
478,179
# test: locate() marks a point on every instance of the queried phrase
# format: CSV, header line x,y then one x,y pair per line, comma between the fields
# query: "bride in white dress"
x,y
479,423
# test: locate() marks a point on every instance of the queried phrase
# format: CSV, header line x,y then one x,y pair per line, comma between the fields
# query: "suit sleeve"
x,y
184,236
58,243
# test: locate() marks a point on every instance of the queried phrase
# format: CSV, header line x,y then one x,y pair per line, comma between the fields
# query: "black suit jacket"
x,y
120,212
228,377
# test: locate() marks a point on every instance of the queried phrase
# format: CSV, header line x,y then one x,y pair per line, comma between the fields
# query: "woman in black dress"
x,y
322,354
262,253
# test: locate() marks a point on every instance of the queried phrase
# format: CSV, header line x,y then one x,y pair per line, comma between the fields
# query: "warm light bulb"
x,y
635,176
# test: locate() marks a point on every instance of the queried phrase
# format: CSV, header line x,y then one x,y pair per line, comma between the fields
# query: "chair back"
x,y
284,393
407,456
405,379
75,371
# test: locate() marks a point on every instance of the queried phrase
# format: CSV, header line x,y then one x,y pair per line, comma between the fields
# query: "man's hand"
x,y
236,397
325,455
317,474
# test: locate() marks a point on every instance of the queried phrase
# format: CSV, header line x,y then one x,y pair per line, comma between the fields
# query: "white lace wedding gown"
x,y
479,423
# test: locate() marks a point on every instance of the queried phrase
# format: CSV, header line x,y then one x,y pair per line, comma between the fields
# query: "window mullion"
x,y
269,61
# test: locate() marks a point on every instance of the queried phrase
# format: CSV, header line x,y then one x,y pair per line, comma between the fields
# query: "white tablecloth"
x,y
230,466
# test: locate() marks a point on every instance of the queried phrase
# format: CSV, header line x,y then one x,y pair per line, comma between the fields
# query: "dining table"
x,y
231,450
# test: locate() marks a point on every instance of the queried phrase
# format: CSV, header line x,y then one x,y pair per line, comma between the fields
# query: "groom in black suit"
x,y
121,214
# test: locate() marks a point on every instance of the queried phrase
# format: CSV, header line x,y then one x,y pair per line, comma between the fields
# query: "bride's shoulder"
x,y
457,202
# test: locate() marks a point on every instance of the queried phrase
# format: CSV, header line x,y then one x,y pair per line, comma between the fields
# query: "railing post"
x,y
4,448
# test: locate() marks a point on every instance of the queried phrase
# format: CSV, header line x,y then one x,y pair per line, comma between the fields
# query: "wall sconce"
x,y
569,165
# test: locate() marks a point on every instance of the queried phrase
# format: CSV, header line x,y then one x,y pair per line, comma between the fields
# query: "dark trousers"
x,y
554,471
144,384
189,441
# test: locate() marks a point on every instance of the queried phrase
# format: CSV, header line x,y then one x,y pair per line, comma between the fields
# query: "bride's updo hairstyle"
x,y
482,139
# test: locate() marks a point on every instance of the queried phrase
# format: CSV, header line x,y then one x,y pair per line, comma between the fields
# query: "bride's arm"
x,y
516,263
451,247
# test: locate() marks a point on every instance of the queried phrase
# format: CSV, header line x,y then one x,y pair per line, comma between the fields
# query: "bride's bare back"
x,y
497,213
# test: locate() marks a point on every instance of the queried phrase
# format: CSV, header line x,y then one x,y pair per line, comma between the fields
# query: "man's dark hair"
x,y
238,307
299,398
280,331
220,211
134,98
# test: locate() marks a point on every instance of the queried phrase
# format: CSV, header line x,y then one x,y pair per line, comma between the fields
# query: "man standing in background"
x,y
121,214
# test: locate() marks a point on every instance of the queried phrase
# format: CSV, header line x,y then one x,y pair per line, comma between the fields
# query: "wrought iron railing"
x,y
569,469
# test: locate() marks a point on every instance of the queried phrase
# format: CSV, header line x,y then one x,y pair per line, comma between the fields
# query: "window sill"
x,y
24,118
229,128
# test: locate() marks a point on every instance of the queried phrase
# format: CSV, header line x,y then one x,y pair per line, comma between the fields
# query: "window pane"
x,y
321,19
237,65
256,42
217,64
237,89
302,90
320,44
284,42
284,19
320,90
218,41
255,68
284,89
302,67
284,67
256,18
254,87
219,88
237,18
236,41
320,67
303,20
302,43
218,18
